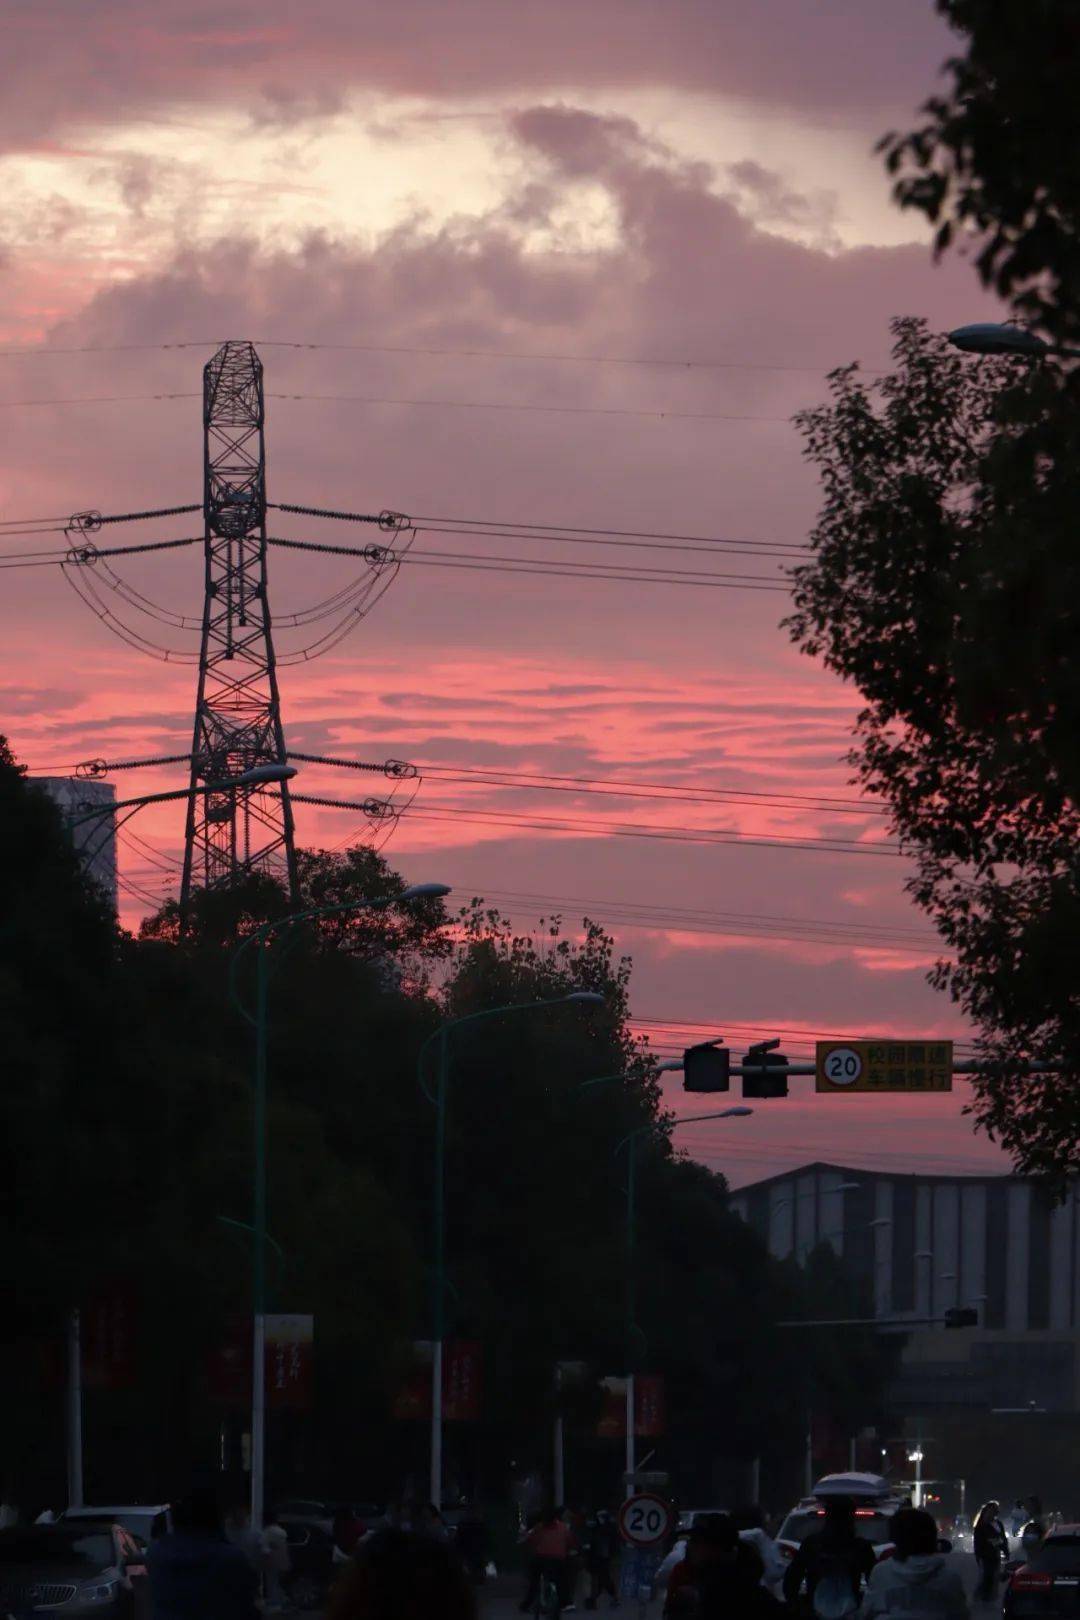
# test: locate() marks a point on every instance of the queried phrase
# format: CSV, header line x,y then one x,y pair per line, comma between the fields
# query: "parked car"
x,y
82,1568
1047,1584
141,1520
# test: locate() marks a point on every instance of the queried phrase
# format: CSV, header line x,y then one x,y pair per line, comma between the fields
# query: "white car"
x,y
873,1522
143,1521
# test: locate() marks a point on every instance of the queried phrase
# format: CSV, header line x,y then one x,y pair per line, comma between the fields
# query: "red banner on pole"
x,y
107,1329
461,1381
612,1421
290,1342
412,1403
650,1414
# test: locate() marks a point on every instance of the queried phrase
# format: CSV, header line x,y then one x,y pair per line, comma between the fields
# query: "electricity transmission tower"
x,y
237,706
239,816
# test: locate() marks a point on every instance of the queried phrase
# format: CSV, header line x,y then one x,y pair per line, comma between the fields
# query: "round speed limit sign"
x,y
843,1066
645,1520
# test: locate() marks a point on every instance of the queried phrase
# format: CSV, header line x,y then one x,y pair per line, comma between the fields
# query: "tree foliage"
x,y
945,585
128,1108
994,163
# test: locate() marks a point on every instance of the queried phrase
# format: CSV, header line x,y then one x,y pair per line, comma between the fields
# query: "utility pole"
x,y
237,707
74,1423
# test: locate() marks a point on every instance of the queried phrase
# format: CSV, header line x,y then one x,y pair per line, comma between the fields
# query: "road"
x,y
499,1601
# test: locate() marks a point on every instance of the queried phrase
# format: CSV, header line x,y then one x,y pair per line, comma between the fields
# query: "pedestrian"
x,y
990,1545
551,1545
750,1523
346,1530
916,1583
238,1533
430,1522
832,1564
1018,1517
400,1575
576,1519
276,1563
194,1573
729,1573
473,1541
601,1552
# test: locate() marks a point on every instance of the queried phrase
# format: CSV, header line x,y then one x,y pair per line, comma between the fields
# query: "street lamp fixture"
x,y
994,337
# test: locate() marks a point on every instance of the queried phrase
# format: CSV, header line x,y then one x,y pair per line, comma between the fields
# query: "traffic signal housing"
x,y
707,1067
770,1078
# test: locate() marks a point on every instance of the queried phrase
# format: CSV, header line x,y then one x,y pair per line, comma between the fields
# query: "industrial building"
x,y
94,836
997,1404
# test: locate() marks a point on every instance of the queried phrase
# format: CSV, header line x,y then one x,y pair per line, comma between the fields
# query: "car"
x,y
875,1503
86,1567
1047,1585
141,1520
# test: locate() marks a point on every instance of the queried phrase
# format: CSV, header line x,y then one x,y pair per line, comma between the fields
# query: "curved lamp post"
x,y
259,941
441,1038
630,1143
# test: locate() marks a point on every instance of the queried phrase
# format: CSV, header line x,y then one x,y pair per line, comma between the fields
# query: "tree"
x,y
995,162
410,933
945,585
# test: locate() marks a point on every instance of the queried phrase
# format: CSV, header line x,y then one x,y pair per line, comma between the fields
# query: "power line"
x,y
492,776
666,362
443,404
782,552
507,405
538,567
551,529
778,1029
682,835
678,919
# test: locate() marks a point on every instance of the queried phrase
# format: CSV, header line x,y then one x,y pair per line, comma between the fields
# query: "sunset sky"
x,y
479,213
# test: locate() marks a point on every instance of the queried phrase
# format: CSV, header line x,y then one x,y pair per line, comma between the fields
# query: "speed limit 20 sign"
x,y
645,1520
884,1065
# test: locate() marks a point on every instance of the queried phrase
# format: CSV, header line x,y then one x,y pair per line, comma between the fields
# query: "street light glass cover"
x,y
994,337
425,891
590,998
263,773
735,1113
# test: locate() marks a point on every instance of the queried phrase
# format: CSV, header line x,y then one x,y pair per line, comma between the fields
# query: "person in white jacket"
x,y
916,1583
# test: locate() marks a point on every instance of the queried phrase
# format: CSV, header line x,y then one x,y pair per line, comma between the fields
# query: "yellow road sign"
x,y
884,1065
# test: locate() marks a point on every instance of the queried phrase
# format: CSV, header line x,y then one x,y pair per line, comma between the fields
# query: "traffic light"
x,y
961,1316
707,1067
771,1079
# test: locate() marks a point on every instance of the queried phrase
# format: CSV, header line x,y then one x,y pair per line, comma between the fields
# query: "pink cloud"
x,y
698,688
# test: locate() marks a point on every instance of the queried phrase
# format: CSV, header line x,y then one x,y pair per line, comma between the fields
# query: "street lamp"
x,y
259,941
257,776
916,1457
442,1037
630,1143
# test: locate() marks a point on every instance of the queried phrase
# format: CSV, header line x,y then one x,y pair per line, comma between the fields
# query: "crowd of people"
x,y
412,1566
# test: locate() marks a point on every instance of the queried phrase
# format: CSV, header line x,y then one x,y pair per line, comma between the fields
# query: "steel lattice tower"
x,y
237,707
